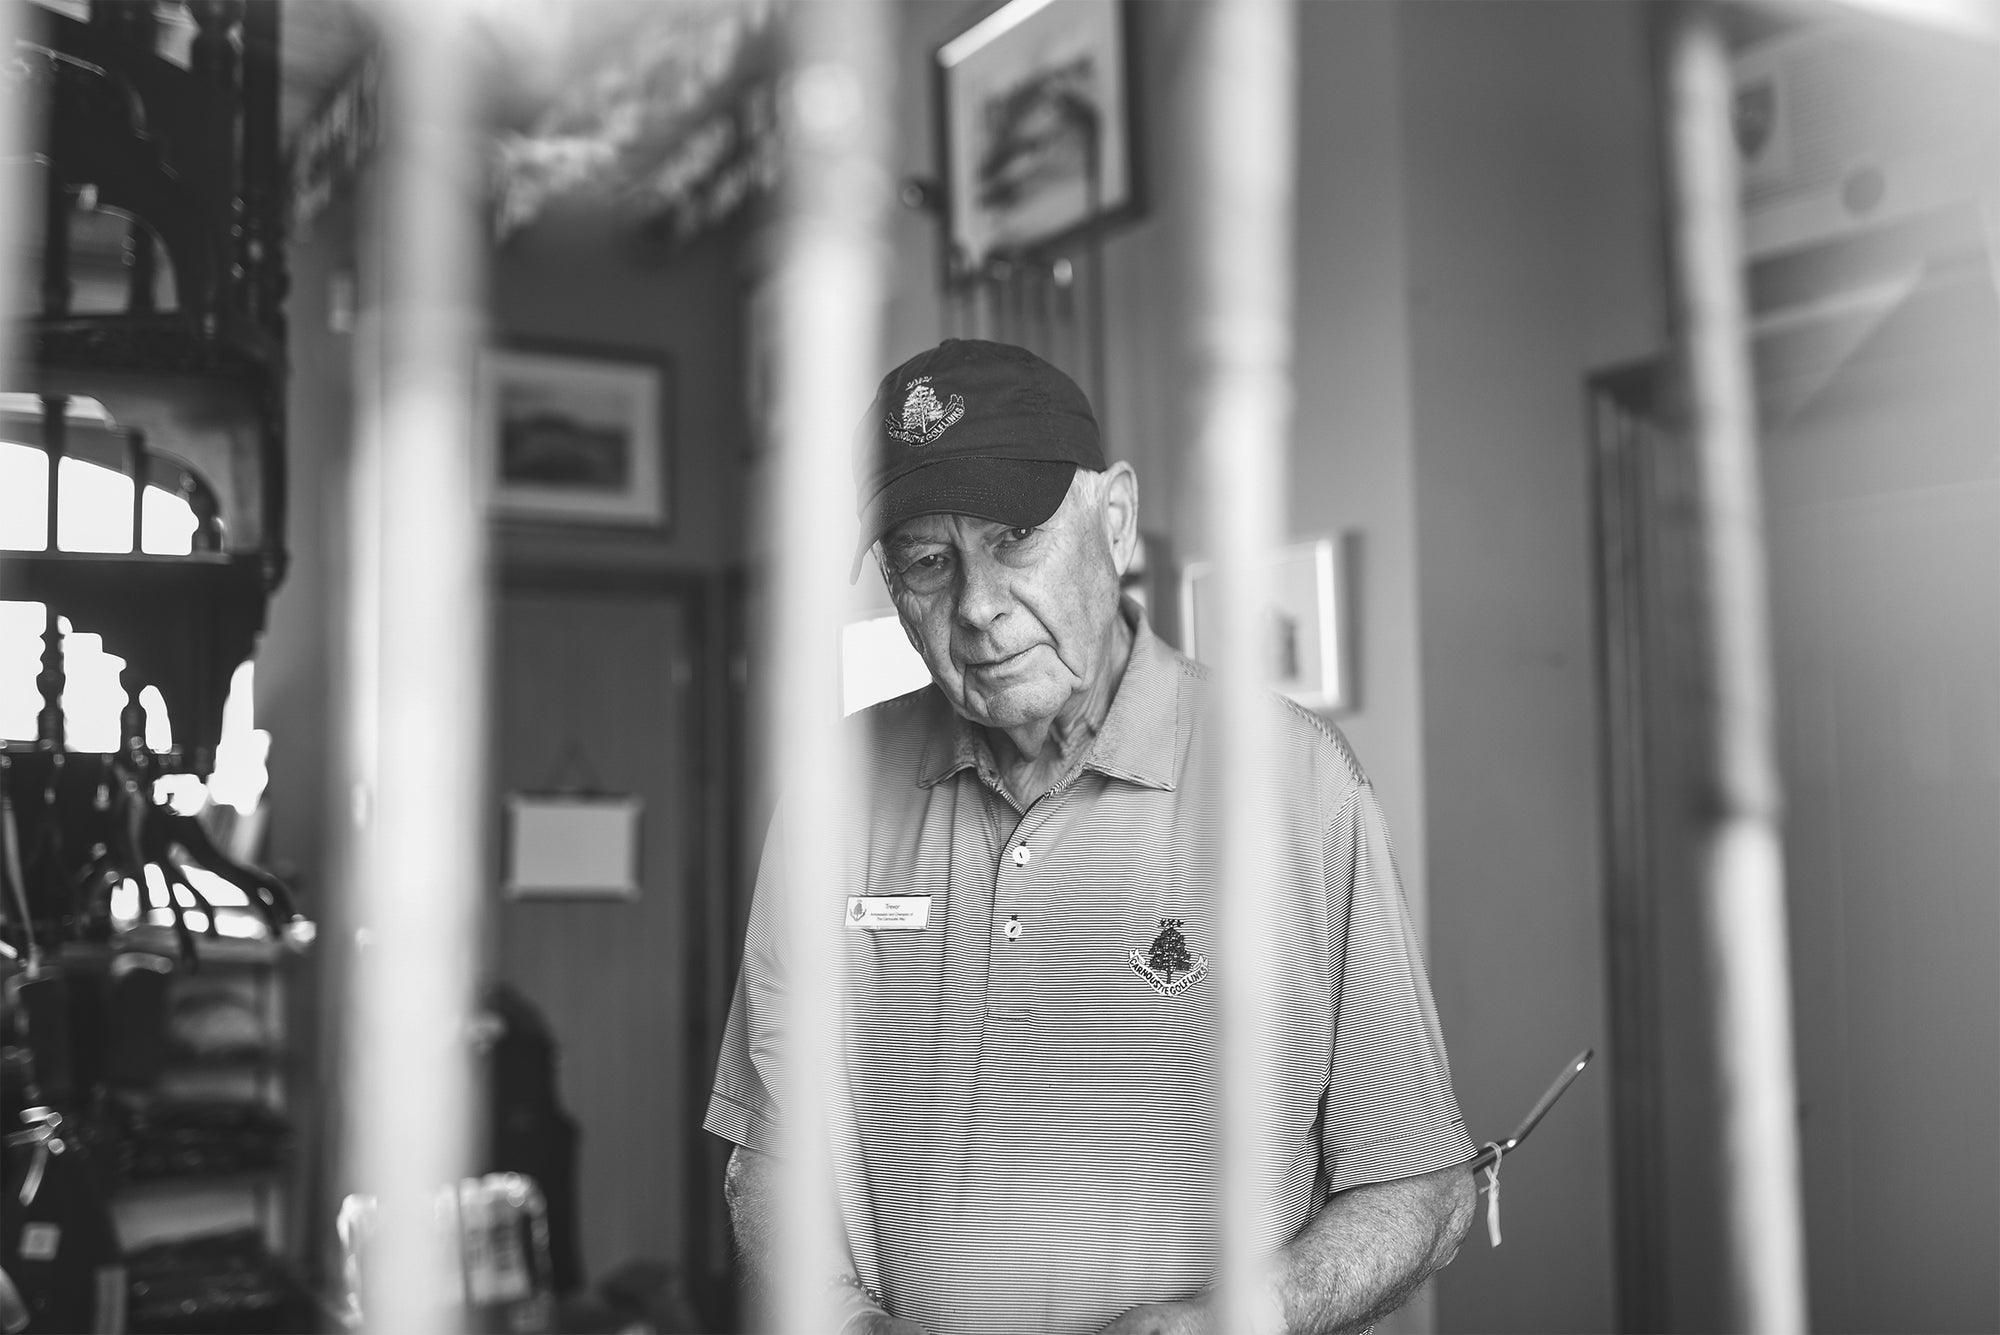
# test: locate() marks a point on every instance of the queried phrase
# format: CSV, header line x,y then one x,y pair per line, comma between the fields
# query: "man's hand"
x,y
1189,1318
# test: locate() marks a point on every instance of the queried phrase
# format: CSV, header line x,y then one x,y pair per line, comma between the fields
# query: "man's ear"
x,y
1121,515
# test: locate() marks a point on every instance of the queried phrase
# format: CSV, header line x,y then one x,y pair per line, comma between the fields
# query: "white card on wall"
x,y
566,846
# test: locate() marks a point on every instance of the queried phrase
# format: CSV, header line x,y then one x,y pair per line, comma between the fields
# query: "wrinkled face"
x,y
1016,623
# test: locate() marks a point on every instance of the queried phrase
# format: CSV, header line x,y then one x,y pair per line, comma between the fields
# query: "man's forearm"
x,y
1359,1259
751,1189
1369,1249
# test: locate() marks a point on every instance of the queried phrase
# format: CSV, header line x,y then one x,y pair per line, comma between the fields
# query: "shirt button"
x,y
1021,855
1013,929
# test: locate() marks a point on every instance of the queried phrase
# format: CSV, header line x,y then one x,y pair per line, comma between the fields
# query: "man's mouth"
x,y
997,664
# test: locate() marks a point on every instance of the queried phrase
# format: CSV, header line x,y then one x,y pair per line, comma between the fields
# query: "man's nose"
x,y
983,596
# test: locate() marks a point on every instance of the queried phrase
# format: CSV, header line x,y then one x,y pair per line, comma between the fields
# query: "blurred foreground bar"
x,y
1739,853
833,254
13,127
416,668
1243,328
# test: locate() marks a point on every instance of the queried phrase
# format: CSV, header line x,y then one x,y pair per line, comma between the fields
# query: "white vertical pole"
x,y
14,201
1247,169
418,619
831,273
1740,854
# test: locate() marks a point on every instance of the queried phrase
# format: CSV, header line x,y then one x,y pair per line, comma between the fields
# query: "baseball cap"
x,y
974,428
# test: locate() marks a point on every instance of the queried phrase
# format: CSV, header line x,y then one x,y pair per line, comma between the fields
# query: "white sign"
x,y
570,846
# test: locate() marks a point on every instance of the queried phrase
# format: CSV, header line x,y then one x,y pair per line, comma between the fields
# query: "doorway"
x,y
617,684
1881,471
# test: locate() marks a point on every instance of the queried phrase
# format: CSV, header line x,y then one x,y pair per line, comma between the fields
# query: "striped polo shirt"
x,y
1033,1076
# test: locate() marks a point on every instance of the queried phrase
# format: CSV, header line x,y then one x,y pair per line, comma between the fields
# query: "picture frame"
x,y
1311,649
576,434
1036,115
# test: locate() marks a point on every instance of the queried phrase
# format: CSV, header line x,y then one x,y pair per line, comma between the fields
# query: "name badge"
x,y
888,913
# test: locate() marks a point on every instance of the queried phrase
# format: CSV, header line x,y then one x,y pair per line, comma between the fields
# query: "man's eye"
x,y
935,561
1020,534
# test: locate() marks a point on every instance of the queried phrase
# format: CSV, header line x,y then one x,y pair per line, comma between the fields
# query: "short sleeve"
x,y
741,1108
1389,1111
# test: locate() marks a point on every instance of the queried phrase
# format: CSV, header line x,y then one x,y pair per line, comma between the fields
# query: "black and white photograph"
x,y
1036,127
577,438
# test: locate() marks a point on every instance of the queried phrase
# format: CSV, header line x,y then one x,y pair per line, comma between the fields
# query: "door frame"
x,y
1625,407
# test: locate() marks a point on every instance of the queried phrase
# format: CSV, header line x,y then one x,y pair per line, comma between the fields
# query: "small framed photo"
x,y
1305,625
576,435
1036,128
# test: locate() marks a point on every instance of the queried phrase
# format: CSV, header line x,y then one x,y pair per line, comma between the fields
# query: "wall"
x,y
578,276
1532,263
298,690
1353,465
572,278
1883,504
1475,234
294,671
623,984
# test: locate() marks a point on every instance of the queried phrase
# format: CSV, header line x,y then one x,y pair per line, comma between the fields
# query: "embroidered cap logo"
x,y
924,417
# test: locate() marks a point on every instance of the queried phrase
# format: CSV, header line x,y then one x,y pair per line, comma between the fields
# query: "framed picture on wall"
x,y
576,435
1035,127
1305,623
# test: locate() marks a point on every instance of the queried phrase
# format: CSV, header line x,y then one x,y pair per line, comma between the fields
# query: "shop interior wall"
x,y
294,670
585,276
575,278
1883,497
298,688
1534,260
1475,234
617,979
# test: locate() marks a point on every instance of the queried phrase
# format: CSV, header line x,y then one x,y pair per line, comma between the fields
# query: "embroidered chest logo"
x,y
925,417
1167,967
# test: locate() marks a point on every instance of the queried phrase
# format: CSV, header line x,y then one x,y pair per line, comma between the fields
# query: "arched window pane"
x,y
168,524
24,491
95,512
95,508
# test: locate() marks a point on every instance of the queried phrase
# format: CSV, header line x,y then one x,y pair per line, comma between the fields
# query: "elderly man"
x,y
1031,1035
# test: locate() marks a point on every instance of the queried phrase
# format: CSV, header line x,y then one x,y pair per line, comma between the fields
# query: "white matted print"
x,y
1037,125
878,662
1305,623
564,846
573,436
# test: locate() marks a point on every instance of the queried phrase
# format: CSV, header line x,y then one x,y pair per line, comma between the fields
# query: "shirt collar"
x,y
1137,742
